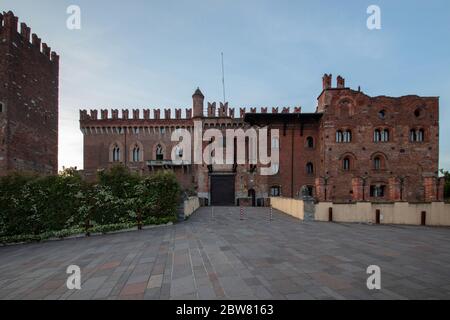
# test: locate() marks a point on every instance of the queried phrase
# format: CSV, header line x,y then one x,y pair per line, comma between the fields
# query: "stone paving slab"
x,y
223,257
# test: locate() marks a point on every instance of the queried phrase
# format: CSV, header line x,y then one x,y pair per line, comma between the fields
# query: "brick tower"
x,y
28,100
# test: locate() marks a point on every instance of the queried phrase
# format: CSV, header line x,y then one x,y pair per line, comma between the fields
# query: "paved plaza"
x,y
215,255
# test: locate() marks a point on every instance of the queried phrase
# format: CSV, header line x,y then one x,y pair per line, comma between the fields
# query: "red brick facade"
x,y
353,148
28,100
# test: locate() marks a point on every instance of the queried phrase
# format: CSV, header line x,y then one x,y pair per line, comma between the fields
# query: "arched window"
x,y
310,142
347,136
420,135
417,135
116,153
339,136
382,114
346,164
385,135
136,154
377,135
309,168
377,163
412,135
159,153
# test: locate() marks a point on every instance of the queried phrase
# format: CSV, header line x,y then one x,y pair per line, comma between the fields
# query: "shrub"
x,y
37,207
165,190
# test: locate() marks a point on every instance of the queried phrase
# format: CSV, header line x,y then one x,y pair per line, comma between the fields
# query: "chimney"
x,y
326,81
340,82
197,103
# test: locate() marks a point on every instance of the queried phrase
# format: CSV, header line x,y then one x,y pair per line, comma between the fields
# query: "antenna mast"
x,y
223,80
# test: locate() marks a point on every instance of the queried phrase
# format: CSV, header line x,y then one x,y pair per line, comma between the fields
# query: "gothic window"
x,y
136,130
310,142
116,153
309,168
344,136
159,153
417,135
346,164
339,136
275,191
136,154
347,136
377,163
420,135
377,135
385,135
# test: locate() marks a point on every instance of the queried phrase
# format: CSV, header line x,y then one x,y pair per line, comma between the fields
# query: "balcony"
x,y
167,163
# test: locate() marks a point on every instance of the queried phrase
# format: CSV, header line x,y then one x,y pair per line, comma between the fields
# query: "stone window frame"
x,y
344,135
417,135
115,152
140,152
352,161
382,158
382,135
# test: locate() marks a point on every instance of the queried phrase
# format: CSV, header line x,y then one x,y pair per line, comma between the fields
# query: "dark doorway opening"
x,y
252,194
222,190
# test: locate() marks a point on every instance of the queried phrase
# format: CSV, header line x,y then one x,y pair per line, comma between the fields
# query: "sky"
x,y
148,53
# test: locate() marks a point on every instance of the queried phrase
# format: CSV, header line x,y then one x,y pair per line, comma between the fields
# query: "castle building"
x,y
29,73
353,148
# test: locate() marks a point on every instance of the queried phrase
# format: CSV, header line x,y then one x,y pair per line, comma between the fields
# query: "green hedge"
x,y
34,206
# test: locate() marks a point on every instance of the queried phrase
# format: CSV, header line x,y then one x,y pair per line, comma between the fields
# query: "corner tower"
x,y
29,73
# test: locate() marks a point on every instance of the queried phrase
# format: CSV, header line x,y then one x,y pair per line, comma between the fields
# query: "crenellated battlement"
x,y
176,114
9,32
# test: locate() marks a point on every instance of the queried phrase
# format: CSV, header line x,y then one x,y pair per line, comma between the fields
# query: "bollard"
x,y
271,213
87,226
330,214
139,221
241,214
212,212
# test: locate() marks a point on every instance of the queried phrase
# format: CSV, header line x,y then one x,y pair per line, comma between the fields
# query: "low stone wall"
x,y
191,204
292,207
436,213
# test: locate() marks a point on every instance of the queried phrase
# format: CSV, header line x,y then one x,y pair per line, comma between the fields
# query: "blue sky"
x,y
150,53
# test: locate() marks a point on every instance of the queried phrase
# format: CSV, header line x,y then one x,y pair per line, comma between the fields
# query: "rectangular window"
x,y
377,191
275,191
1,107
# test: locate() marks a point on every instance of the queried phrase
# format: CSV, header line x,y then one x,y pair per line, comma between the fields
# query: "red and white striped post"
x,y
241,213
271,213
